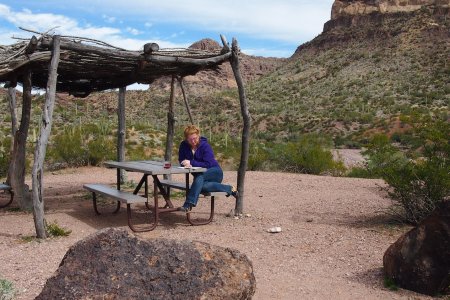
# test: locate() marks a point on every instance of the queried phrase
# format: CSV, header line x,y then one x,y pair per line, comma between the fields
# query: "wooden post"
x,y
186,102
17,164
41,146
12,109
170,123
121,132
239,208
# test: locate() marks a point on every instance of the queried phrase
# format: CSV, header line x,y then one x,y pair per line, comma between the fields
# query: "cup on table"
x,y
167,165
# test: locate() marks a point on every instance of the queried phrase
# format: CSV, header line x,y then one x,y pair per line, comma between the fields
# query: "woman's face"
x,y
193,140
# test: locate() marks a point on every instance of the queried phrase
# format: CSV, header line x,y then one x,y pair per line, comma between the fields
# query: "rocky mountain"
x,y
374,61
252,67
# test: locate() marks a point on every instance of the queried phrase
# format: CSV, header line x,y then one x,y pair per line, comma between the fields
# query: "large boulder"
x,y
113,264
420,259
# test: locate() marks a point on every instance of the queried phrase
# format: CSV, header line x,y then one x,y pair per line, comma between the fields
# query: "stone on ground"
x,y
113,264
420,259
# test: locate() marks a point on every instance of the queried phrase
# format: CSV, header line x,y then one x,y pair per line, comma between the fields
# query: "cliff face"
x,y
373,61
343,8
373,13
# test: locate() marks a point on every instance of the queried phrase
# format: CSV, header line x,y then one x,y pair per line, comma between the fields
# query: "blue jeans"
x,y
210,181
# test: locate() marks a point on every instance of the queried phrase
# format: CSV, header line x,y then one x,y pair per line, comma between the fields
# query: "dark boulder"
x,y
113,264
420,259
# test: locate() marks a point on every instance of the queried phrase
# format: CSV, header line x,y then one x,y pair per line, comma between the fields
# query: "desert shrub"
x,y
7,291
4,156
69,147
310,154
360,172
89,144
258,157
100,149
54,230
419,179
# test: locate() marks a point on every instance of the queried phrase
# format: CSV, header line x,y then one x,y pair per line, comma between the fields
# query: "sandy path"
x,y
331,246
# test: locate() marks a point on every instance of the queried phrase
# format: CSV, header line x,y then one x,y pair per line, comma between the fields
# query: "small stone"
x,y
236,218
309,220
248,215
274,230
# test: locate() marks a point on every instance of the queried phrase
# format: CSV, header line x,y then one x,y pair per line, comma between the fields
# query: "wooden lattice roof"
x,y
88,65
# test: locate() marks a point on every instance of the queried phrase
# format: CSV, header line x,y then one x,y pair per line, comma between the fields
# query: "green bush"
x,y
419,178
7,291
54,230
4,156
69,147
310,154
100,149
258,157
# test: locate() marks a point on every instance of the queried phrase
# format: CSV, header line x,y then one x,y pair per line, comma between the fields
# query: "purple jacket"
x,y
203,157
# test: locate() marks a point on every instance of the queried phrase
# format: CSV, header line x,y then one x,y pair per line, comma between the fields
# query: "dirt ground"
x,y
331,245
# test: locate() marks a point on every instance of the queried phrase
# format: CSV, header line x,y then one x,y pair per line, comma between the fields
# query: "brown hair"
x,y
191,129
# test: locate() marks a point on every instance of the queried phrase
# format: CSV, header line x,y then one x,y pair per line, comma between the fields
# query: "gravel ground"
x,y
331,245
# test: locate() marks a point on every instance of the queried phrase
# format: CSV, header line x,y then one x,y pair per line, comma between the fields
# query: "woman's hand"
x,y
186,163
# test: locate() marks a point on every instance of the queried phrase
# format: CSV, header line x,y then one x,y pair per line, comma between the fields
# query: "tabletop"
x,y
150,167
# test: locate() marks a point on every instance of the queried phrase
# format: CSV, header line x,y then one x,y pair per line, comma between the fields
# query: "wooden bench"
x,y
5,187
182,186
121,197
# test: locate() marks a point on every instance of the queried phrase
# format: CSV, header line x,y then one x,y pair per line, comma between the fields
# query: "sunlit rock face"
x,y
343,8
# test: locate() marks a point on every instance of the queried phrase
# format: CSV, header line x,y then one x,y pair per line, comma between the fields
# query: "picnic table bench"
x,y
160,187
6,188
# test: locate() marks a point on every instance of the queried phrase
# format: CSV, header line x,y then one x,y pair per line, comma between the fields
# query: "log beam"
x,y
186,102
17,163
41,146
150,48
234,61
170,122
121,134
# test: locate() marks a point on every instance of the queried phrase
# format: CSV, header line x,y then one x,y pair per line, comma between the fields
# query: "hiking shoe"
x,y
234,192
185,209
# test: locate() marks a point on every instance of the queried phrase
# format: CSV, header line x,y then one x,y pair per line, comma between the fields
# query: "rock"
x,y
113,264
274,230
364,7
420,259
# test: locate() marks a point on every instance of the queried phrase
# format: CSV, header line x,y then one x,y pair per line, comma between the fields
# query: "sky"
x,y
264,28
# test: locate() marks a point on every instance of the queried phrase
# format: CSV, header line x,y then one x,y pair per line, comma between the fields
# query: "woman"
x,y
196,152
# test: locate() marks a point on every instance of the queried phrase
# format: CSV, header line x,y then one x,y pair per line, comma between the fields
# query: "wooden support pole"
x,y
170,124
186,102
239,208
17,164
41,146
12,109
121,132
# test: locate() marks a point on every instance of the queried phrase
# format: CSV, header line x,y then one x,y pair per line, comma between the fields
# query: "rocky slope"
x,y
252,67
373,61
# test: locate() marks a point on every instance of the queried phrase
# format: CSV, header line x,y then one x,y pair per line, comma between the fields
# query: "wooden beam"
x,y
170,122
37,175
150,47
186,102
239,207
200,62
12,110
18,157
77,47
121,134
32,45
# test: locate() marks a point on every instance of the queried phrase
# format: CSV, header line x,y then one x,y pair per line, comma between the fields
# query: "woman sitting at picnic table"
x,y
196,152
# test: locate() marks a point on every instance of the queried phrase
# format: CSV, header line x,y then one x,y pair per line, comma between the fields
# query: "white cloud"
x,y
133,31
63,25
148,24
109,19
292,21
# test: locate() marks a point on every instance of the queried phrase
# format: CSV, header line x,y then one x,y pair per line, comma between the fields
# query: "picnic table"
x,y
161,186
